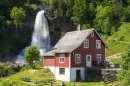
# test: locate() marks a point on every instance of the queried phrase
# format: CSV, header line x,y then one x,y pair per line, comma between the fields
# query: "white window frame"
x,y
62,71
92,34
98,57
86,43
77,56
61,58
98,44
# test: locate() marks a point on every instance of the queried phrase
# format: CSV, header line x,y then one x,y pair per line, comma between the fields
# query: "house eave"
x,y
48,55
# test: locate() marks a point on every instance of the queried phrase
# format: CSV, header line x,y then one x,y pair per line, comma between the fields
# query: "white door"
x,y
88,61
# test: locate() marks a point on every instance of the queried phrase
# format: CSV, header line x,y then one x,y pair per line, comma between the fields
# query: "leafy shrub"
x,y
10,71
3,69
26,79
46,70
39,64
40,81
25,68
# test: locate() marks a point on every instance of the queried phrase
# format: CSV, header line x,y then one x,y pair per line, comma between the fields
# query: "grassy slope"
x,y
34,75
118,42
41,74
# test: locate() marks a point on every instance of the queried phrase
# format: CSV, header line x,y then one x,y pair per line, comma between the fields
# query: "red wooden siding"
x,y
66,60
49,61
88,51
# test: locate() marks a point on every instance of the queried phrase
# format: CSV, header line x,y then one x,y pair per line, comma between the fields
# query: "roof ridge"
x,y
81,30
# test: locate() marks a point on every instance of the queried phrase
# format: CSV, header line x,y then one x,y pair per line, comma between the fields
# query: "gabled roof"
x,y
70,41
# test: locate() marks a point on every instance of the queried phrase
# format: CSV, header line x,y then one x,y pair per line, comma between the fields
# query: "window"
x,y
86,43
88,58
62,58
98,44
62,71
77,58
99,57
92,34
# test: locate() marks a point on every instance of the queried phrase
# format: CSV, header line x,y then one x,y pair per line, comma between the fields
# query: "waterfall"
x,y
40,38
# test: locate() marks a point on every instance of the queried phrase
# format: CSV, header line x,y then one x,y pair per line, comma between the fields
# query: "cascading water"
x,y
40,38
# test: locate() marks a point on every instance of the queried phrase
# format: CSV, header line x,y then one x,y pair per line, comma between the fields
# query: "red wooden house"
x,y
75,51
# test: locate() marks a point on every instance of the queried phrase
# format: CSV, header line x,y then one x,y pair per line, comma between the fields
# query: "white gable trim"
x,y
100,38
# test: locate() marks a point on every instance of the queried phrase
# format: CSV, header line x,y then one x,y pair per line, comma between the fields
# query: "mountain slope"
x,y
118,42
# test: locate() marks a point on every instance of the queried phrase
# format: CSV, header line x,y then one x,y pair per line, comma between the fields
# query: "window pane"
x,y
86,43
61,57
88,58
92,34
61,70
98,56
98,44
77,58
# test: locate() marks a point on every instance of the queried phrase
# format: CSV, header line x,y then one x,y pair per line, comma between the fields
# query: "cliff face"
x,y
58,27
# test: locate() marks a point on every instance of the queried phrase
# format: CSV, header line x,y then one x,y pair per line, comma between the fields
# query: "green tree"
x,y
103,19
126,14
117,9
125,68
3,35
32,55
79,12
18,14
107,25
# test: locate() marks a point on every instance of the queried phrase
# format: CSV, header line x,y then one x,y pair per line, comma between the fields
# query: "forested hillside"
x,y
17,19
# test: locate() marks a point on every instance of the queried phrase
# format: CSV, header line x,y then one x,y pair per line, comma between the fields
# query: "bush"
x,y
10,71
26,68
39,64
26,79
3,69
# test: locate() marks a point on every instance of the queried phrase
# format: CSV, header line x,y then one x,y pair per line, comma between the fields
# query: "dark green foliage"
x,y
11,37
125,68
33,1
18,14
103,19
5,70
3,40
80,12
25,68
32,55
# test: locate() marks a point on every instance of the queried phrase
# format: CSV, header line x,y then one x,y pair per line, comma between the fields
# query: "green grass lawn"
x,y
41,74
118,42
115,47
